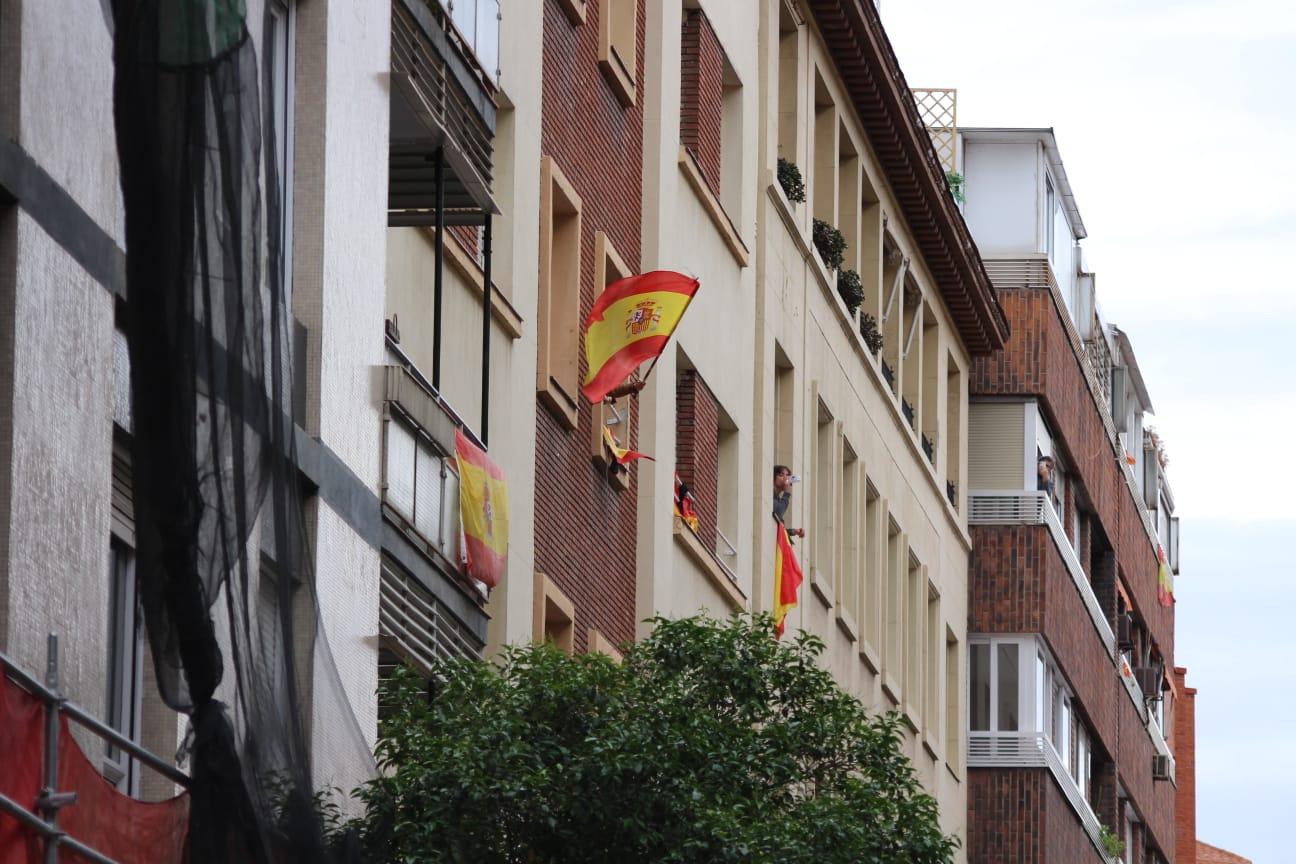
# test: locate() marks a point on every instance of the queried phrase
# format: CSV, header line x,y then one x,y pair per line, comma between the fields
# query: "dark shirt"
x,y
781,502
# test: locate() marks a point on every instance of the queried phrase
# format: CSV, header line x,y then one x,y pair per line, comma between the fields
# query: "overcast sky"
x,y
1177,125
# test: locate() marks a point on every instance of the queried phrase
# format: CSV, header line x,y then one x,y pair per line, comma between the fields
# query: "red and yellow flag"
x,y
787,578
622,455
483,507
631,322
1165,580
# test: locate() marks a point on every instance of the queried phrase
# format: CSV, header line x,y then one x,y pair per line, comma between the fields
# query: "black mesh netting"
x,y
237,645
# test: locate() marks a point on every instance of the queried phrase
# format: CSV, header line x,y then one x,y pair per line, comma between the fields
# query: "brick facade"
x,y
584,525
1019,583
702,95
1019,815
1185,747
697,459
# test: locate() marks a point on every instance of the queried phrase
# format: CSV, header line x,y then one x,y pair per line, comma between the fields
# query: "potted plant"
x,y
956,183
869,332
1112,845
789,177
851,289
830,244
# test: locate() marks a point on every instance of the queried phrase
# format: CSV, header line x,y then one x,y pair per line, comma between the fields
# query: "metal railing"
x,y
725,549
419,624
1035,750
1014,507
51,800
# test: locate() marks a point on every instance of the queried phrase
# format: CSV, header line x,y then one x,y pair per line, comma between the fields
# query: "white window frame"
x,y
124,666
283,14
1050,211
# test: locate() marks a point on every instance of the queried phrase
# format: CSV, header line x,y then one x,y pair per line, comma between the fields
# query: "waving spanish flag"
x,y
632,320
787,578
483,507
622,455
1165,579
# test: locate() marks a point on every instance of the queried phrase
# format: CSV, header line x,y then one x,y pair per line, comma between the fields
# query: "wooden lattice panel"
x,y
938,107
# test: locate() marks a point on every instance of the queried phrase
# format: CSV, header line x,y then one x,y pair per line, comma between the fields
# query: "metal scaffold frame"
x,y
45,821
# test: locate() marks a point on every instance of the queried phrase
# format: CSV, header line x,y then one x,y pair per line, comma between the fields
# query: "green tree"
x,y
710,742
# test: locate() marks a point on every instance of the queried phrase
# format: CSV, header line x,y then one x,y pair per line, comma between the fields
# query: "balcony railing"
x,y
1136,696
1033,508
1035,750
477,24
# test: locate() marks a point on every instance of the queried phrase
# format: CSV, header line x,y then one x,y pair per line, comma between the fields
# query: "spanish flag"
x,y
483,507
622,455
631,322
1165,579
787,578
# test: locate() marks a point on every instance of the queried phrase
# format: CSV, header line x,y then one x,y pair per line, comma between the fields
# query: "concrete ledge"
x,y
693,546
713,208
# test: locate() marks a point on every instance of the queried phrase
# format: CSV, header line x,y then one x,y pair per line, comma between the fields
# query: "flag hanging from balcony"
x,y
622,455
483,507
684,505
1165,580
787,578
631,322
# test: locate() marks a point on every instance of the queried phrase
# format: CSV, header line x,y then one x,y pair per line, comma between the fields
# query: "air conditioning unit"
x,y
1160,767
1124,632
1149,681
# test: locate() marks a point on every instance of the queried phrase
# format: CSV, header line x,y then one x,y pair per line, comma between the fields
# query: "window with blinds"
x,y
422,488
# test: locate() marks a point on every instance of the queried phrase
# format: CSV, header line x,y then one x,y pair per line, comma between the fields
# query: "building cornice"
x,y
862,53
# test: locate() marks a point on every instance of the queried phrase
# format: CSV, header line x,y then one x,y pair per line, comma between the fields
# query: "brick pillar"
x,y
1104,793
702,95
696,451
1184,745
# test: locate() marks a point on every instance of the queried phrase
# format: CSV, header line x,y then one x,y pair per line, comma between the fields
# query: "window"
x,y
789,77
1050,206
421,487
711,111
848,568
848,197
953,431
979,685
931,672
618,46
555,615
827,468
870,614
915,618
279,60
618,416
953,727
726,493
929,417
697,457
1007,701
125,667
894,648
558,362
824,170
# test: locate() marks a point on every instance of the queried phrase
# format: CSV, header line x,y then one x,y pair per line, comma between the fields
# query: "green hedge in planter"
x,y
869,331
830,243
850,288
789,177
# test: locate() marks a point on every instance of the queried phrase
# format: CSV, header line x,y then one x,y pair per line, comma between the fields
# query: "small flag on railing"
x,y
1165,580
622,455
631,322
787,578
483,507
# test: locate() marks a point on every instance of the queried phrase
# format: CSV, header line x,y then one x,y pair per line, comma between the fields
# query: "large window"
x,y
422,488
618,46
124,667
557,367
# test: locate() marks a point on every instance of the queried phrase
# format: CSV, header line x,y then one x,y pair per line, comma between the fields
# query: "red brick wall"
x,y
1008,565
702,95
1184,745
1018,583
584,526
696,453
1018,815
1040,361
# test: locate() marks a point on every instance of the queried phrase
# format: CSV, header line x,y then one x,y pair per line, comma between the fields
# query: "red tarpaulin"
x,y
113,824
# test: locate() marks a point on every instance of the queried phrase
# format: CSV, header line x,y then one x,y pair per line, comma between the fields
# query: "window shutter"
x,y
123,500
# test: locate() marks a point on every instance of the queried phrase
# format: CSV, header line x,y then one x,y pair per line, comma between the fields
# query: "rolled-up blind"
x,y
123,502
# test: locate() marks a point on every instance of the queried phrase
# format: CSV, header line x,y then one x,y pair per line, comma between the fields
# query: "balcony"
x,y
1034,508
1035,750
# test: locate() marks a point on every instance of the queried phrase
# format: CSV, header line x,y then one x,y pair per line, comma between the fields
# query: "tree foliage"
x,y
710,742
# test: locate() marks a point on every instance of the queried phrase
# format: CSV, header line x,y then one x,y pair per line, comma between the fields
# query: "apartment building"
x,y
1071,608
